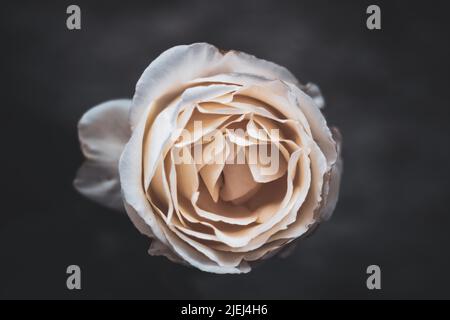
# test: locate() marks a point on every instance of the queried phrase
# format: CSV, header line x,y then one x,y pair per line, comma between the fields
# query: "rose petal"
x,y
130,172
157,248
319,128
163,132
313,91
103,132
332,183
169,72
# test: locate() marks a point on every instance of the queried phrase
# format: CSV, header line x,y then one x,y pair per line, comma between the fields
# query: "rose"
x,y
214,215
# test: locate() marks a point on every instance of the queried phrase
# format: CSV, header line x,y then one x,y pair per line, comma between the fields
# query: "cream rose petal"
x,y
165,124
134,194
103,132
332,181
169,72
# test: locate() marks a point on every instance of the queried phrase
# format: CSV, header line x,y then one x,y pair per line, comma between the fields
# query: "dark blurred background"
x,y
387,91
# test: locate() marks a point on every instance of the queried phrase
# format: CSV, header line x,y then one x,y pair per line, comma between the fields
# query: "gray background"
x,y
387,91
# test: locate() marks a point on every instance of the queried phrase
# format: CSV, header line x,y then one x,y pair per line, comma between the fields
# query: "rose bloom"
x,y
218,216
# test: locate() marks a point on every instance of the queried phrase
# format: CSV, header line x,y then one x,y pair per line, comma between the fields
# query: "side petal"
x,y
314,92
103,132
332,181
157,248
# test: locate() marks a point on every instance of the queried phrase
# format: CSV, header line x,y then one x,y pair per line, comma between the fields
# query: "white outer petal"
x,y
103,131
314,92
330,193
130,173
178,65
317,122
